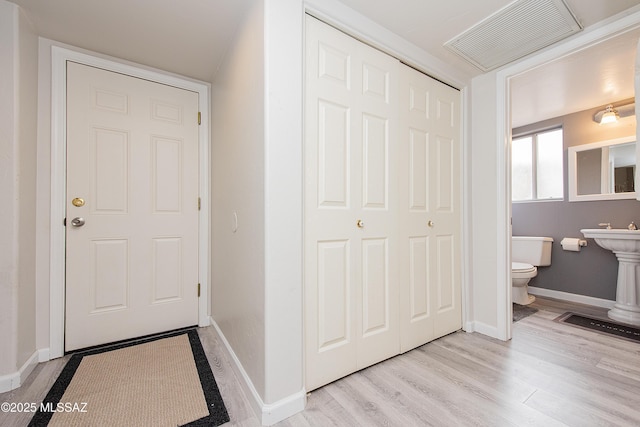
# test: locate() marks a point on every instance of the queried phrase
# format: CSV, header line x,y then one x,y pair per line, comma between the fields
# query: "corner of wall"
x,y
8,188
16,379
268,414
27,107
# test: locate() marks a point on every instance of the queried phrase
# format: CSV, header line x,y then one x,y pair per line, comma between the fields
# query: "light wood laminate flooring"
x,y
549,374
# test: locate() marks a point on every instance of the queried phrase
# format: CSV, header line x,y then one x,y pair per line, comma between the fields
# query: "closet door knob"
x,y
360,223
430,223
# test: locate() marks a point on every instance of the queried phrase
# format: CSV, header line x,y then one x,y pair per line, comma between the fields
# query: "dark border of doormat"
x,y
601,326
217,411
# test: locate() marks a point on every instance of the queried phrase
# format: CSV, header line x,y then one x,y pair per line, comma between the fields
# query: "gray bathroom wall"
x,y
592,271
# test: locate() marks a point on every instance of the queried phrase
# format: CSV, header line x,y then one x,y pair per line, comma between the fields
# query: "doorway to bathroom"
x,y
511,82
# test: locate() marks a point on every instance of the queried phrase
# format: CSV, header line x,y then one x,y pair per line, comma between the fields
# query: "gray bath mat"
x,y
522,311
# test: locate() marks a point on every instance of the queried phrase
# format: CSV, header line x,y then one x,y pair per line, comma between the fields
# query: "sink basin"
x,y
615,239
625,244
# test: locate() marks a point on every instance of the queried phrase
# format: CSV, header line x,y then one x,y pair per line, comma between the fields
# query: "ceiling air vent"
x,y
515,31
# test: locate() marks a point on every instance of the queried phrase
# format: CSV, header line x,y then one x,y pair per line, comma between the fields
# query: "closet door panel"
x,y
350,206
415,169
378,317
331,242
382,206
430,224
447,215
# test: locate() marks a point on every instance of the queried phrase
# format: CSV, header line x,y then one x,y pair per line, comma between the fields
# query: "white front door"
x,y
132,207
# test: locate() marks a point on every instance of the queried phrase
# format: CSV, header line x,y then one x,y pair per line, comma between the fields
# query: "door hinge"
x,y
199,117
198,290
199,203
64,222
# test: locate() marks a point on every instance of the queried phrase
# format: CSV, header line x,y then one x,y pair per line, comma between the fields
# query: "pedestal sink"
x,y
626,245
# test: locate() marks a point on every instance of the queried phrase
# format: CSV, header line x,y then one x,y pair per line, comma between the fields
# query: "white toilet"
x,y
527,253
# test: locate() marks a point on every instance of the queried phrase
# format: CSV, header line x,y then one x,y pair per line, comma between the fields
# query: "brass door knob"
x,y
360,223
430,223
78,202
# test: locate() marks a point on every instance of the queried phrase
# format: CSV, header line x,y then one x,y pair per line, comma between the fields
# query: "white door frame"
x,y
579,42
59,57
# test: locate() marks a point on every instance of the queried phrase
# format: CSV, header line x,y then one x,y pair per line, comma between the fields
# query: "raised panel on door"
x,y
378,337
444,179
329,302
417,164
375,286
108,170
417,326
109,280
167,163
132,155
446,298
333,155
375,160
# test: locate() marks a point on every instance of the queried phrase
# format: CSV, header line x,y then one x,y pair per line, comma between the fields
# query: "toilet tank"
x,y
532,250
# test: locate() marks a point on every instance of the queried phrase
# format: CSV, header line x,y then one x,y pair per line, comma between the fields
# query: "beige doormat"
x,y
162,381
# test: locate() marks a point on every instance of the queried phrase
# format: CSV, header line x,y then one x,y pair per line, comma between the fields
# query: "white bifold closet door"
x,y
350,202
382,214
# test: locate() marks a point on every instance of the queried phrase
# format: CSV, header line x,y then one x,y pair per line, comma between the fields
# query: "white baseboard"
x,y
468,327
268,414
283,408
566,296
43,355
12,381
482,328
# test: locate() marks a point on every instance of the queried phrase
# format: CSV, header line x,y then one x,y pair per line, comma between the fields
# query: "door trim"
x,y
59,57
583,40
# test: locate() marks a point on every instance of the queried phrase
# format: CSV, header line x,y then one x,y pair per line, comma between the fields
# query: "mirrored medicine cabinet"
x,y
602,170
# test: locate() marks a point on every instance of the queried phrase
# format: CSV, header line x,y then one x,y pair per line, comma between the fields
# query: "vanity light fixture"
x,y
612,115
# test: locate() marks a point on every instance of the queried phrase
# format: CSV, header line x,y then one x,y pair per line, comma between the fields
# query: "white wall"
x,y
27,141
484,182
238,173
8,188
18,106
283,200
257,175
43,203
